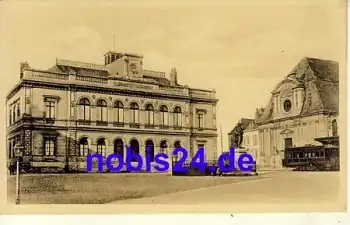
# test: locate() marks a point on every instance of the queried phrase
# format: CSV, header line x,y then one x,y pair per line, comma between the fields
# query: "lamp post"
x,y
18,153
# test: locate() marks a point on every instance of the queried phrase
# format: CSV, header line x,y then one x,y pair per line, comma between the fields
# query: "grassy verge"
x,y
104,188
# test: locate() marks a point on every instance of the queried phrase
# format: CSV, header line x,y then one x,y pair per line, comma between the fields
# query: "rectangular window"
x,y
200,120
10,149
14,115
255,140
288,142
10,117
49,147
18,112
50,110
247,140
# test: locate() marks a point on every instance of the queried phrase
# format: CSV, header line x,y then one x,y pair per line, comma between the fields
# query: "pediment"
x,y
286,85
286,131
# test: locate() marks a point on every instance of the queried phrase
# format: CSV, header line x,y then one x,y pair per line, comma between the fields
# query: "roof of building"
x,y
320,80
95,70
252,125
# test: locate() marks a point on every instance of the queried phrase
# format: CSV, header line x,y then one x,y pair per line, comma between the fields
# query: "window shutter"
x,y
136,116
80,112
166,117
87,113
115,114
151,117
179,119
121,115
53,110
104,114
99,114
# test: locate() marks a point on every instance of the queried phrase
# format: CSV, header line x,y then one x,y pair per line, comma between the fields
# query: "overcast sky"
x,y
241,50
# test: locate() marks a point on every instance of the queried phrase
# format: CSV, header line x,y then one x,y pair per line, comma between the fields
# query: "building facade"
x,y
65,112
302,107
251,142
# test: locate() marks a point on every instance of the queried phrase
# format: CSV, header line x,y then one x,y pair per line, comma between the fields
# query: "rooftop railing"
x,y
118,84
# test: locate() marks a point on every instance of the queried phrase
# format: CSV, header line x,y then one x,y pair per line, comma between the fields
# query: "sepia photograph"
x,y
203,104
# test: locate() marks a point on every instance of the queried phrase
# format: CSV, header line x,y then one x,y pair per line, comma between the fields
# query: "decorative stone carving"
x,y
238,135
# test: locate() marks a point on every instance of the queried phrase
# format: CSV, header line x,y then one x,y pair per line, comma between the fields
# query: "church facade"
x,y
72,109
302,107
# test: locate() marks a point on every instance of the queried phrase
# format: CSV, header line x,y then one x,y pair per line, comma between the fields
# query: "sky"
x,y
242,49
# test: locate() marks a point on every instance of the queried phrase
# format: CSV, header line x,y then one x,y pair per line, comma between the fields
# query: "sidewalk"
x,y
262,171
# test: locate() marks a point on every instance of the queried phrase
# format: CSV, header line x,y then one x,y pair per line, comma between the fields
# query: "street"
x,y
299,188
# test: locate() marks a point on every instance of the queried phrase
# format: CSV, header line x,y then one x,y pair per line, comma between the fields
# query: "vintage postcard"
x,y
173,106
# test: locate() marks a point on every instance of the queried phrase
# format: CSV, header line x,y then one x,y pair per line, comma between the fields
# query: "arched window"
x,y
119,147
164,115
334,128
177,144
135,148
177,116
101,146
163,147
150,150
134,112
101,110
83,147
149,114
118,112
84,109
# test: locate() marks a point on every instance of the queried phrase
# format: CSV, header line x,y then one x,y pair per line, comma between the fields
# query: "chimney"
x,y
173,77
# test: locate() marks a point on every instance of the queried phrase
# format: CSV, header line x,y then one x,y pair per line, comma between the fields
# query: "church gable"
x,y
312,86
286,131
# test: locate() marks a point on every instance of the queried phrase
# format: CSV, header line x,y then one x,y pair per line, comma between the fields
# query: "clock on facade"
x,y
133,68
287,105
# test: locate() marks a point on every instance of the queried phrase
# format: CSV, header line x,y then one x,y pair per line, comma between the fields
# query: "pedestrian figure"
x,y
12,166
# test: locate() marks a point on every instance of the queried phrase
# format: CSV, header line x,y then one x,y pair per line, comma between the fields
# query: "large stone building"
x,y
302,107
63,113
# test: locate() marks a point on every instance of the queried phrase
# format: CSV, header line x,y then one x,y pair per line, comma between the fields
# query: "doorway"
x,y
288,143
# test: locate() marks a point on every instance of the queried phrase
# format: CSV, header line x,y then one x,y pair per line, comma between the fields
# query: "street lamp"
x,y
18,154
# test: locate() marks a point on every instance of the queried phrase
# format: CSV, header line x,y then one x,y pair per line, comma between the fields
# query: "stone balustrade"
x,y
117,84
154,73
